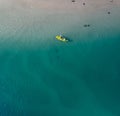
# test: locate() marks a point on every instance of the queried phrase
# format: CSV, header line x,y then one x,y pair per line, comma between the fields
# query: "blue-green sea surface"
x,y
40,76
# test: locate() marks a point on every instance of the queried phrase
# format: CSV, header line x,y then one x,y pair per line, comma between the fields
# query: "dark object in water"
x,y
56,50
108,12
73,0
83,3
111,1
87,25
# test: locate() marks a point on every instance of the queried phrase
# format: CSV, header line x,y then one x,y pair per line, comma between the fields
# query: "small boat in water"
x,y
61,38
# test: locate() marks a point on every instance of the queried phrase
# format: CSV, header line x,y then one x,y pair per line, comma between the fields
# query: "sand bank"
x,y
59,4
42,20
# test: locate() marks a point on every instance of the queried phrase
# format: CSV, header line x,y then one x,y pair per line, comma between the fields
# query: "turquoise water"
x,y
40,76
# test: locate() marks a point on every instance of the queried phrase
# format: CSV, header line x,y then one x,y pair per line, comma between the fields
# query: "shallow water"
x,y
40,76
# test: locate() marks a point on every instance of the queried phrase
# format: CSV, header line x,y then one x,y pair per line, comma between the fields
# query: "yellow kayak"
x,y
60,38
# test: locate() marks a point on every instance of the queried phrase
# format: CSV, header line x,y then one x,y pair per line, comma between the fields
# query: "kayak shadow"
x,y
69,40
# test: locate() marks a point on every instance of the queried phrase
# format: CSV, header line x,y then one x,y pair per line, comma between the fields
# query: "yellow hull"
x,y
60,38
